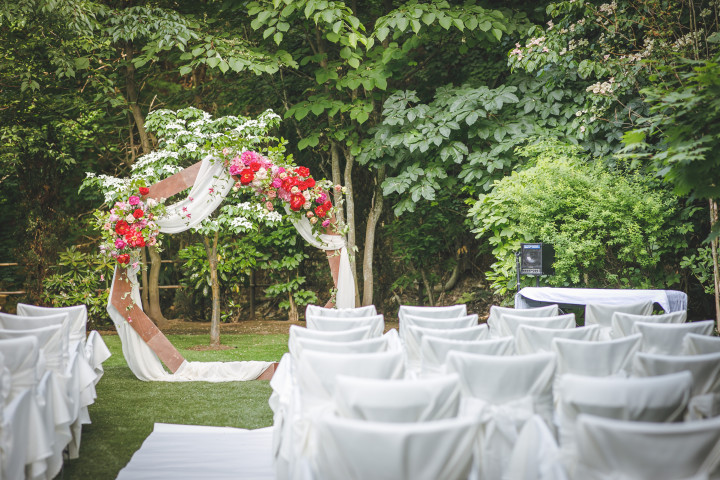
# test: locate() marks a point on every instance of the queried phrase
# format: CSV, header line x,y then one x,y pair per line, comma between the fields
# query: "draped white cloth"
x,y
211,186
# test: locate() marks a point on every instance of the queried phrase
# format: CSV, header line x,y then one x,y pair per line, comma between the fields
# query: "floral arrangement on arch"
x,y
130,225
292,187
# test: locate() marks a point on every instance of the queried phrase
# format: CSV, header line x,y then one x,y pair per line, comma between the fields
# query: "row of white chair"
x,y
49,372
309,383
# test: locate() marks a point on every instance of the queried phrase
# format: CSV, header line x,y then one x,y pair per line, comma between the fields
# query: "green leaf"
x,y
471,118
278,37
361,117
428,18
402,23
445,22
355,63
382,33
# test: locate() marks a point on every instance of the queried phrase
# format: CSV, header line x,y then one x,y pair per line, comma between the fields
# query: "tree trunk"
x,y
350,220
716,271
428,287
154,311
368,252
144,284
336,178
215,318
293,315
132,98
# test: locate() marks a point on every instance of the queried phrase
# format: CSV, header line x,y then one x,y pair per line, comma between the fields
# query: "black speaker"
x,y
537,259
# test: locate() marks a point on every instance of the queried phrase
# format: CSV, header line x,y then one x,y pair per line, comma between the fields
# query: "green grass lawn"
x,y
126,408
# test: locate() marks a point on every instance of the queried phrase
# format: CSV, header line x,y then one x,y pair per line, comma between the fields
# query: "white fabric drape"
x,y
345,296
146,365
211,186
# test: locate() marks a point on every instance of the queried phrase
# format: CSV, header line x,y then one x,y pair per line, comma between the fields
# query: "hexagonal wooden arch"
x,y
140,322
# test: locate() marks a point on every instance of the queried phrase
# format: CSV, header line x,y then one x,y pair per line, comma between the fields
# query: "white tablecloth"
x,y
669,300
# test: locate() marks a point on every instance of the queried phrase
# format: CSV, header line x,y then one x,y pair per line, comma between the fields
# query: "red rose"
x,y
289,182
310,182
327,205
303,171
296,202
246,176
144,190
121,227
124,258
255,165
320,211
138,213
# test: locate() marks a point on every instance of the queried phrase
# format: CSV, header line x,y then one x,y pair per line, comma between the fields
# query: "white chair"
x,y
15,434
650,399
316,311
387,342
91,345
536,455
329,324
434,350
503,392
315,375
359,450
667,338
694,344
596,358
495,319
622,323
352,335
530,339
610,448
705,369
19,322
77,320
510,323
450,311
414,335
26,367
400,401
601,314
465,321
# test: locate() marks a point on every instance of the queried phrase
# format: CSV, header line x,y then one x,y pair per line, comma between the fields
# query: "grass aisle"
x,y
126,408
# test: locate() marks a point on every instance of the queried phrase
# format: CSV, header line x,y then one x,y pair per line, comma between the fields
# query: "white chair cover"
x,y
619,450
387,342
464,321
434,350
16,435
359,450
20,322
401,401
26,365
495,319
317,311
414,335
694,344
315,375
510,323
503,392
529,339
93,346
450,311
536,455
601,314
622,323
667,338
352,335
596,358
705,369
77,313
328,324
650,399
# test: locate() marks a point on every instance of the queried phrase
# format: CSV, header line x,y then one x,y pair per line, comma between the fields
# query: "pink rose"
x,y
235,169
321,198
269,206
326,222
151,241
338,188
133,200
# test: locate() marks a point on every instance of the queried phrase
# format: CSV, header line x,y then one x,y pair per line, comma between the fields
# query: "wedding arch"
x,y
144,346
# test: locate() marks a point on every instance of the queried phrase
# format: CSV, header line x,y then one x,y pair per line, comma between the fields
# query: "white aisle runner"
x,y
193,451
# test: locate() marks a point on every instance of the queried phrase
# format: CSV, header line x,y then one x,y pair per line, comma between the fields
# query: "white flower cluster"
x,y
687,40
113,188
602,88
647,50
153,157
608,8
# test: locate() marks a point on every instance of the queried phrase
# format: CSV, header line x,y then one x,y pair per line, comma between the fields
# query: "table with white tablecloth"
x,y
668,300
